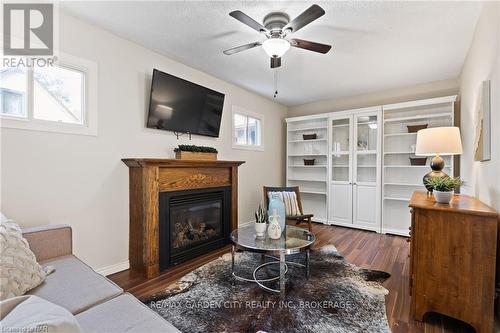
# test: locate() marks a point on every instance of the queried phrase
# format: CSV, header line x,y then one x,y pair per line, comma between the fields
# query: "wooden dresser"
x,y
452,259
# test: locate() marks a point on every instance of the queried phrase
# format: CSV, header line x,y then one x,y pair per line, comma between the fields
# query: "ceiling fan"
x,y
277,27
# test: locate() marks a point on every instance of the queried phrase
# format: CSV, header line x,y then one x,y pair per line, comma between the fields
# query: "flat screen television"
x,y
181,106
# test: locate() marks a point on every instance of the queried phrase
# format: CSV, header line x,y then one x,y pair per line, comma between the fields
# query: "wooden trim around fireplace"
x,y
148,177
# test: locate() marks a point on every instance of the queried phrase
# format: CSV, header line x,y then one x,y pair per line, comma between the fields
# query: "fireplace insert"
x,y
192,223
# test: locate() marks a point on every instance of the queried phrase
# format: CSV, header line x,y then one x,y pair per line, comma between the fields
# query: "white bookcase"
x,y
399,177
362,176
312,179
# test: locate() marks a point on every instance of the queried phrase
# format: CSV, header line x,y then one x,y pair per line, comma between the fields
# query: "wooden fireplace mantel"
x,y
150,176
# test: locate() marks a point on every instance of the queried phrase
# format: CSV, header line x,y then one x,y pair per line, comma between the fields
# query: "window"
x,y
58,94
247,130
13,83
59,98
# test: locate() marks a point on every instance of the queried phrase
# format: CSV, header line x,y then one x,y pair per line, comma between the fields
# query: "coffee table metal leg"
x,y
307,263
232,259
282,273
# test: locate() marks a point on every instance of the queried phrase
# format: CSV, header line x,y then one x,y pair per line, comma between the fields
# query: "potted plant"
x,y
443,187
192,152
260,222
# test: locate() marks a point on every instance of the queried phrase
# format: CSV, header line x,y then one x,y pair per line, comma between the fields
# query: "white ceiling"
x,y
376,45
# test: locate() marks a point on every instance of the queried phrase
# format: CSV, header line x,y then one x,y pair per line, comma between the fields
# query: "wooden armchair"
x,y
298,219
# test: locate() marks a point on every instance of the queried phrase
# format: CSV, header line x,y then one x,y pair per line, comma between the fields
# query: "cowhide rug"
x,y
338,297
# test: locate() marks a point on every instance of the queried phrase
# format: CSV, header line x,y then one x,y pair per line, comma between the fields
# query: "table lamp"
x,y
437,142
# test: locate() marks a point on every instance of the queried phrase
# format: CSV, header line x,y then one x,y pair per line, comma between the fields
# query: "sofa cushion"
x,y
3,218
74,285
19,271
33,314
123,314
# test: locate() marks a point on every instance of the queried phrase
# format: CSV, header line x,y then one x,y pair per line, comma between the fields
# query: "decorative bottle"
x,y
274,228
276,203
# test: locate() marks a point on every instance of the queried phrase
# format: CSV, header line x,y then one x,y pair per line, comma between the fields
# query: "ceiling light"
x,y
276,47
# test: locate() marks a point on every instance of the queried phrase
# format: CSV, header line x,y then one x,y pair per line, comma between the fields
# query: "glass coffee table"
x,y
294,240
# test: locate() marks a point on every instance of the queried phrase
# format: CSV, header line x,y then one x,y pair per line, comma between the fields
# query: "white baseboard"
x,y
111,269
245,223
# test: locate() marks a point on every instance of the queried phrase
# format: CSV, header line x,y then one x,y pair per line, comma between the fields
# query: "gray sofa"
x,y
98,304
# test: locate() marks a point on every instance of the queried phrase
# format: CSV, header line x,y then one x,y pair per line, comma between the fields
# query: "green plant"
x,y
195,149
260,215
444,184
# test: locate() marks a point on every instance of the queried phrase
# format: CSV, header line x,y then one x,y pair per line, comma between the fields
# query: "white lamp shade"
x,y
439,141
276,47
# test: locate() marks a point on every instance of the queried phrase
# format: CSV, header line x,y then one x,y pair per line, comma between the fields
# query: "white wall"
x,y
404,94
482,63
50,178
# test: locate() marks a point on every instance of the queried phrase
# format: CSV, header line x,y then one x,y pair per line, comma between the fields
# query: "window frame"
x,y
89,112
243,112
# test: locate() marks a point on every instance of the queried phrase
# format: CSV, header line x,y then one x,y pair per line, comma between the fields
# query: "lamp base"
x,y
437,165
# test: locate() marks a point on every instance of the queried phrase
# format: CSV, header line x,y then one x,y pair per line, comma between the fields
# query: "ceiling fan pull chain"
x,y
275,83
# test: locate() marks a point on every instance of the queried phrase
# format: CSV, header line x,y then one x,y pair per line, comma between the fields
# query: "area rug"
x,y
338,297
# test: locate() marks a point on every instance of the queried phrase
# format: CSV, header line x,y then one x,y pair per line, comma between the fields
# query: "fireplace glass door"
x,y
192,223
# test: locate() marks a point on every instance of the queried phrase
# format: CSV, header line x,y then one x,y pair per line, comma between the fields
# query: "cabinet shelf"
x,y
396,199
366,152
404,184
313,192
399,134
399,153
307,128
307,180
299,155
307,166
305,141
411,166
346,166
417,117
340,152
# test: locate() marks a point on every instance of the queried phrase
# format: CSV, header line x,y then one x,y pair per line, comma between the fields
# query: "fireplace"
x,y
192,223
152,178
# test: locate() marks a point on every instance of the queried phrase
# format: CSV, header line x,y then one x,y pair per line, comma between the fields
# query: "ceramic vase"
x,y
276,203
274,229
443,197
260,229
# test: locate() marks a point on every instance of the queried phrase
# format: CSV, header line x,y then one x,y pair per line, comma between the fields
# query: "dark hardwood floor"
x,y
362,248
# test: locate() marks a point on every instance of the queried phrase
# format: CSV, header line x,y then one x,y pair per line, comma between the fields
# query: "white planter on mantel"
x,y
443,197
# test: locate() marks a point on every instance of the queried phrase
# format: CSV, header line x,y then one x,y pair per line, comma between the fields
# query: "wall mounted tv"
x,y
181,106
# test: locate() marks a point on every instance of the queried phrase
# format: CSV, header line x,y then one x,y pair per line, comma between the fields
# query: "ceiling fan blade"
x,y
245,19
241,48
311,46
275,62
310,14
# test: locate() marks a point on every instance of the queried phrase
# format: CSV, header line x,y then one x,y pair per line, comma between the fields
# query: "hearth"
x,y
192,223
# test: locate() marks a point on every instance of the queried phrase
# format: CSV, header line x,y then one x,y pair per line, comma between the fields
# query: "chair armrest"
x,y
49,241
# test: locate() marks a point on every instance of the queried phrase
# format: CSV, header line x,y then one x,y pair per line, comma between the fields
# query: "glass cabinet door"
x,y
365,148
341,149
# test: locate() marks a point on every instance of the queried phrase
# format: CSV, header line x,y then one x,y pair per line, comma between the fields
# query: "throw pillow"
x,y
19,271
289,198
3,218
34,314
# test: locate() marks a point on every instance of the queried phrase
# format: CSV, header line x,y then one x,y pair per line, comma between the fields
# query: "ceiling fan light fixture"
x,y
276,47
